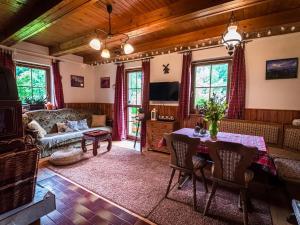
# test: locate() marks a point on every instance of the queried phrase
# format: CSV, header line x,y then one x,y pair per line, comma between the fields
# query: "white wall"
x,y
260,93
76,67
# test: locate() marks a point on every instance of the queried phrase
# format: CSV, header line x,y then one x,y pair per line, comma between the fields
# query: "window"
x,y
208,78
33,82
134,100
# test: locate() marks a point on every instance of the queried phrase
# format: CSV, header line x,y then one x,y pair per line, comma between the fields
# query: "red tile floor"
x,y
75,205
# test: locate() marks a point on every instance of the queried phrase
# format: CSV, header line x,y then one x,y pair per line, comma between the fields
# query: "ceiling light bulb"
x,y
293,28
232,37
105,53
95,43
269,32
128,48
258,35
282,28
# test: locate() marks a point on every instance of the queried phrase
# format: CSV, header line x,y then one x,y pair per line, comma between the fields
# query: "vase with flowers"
x,y
214,110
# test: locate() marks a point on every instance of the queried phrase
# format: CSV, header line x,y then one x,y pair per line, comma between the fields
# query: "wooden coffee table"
x,y
96,136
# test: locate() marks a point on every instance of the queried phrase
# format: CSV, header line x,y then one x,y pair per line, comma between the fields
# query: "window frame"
x,y
127,72
205,63
36,66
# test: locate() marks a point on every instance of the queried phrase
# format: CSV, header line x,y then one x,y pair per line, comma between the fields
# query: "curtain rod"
x,y
206,47
133,60
26,52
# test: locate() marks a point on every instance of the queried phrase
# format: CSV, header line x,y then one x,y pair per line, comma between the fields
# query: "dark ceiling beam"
x,y
159,19
34,18
248,25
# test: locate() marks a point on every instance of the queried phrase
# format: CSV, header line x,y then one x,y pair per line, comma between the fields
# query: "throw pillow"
x,y
34,125
98,120
73,125
82,124
62,127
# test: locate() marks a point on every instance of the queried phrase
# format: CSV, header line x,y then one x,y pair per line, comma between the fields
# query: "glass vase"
x,y
213,129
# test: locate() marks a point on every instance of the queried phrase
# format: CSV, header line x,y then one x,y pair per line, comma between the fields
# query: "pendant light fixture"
x,y
231,37
96,43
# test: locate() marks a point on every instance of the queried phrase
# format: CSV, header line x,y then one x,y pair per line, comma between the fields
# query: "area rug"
x,y
138,182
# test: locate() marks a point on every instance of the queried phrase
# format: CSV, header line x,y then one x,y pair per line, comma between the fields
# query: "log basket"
x,y
18,172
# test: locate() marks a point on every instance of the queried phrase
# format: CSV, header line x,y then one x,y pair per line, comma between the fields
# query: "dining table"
x,y
262,158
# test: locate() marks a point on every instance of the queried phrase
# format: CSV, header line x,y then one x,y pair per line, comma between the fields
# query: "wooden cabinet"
x,y
155,132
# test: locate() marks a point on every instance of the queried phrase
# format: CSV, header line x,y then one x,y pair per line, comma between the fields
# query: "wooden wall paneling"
x,y
101,108
272,115
263,115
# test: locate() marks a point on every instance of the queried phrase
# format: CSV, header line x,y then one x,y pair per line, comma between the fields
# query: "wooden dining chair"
x,y
183,158
230,168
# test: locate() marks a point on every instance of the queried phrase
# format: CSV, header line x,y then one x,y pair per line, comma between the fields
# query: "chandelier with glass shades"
x,y
96,43
231,37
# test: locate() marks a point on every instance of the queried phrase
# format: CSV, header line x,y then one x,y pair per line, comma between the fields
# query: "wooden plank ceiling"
x,y
67,26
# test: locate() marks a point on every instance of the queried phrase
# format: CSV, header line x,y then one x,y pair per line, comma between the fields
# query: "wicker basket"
x,y
18,172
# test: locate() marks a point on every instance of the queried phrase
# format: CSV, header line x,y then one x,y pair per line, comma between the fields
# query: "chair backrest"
x,y
182,149
231,160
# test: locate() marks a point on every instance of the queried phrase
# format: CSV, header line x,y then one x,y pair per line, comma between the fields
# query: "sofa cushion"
x,y
73,125
62,127
98,120
34,125
270,131
292,138
288,169
82,124
283,153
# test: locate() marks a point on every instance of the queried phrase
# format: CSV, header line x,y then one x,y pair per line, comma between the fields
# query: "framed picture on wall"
x,y
77,81
105,82
282,68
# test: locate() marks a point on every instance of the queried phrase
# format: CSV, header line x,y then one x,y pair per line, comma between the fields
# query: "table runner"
x,y
248,140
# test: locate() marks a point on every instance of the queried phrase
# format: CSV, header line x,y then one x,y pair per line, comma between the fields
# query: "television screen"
x,y
164,91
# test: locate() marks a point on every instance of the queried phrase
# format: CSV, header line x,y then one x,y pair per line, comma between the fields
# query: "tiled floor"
x,y
75,205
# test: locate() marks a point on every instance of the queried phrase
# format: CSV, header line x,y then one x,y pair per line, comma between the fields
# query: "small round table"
x,y
96,136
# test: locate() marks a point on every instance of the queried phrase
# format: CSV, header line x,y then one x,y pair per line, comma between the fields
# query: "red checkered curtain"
x,y
6,60
237,92
58,88
185,87
118,123
145,103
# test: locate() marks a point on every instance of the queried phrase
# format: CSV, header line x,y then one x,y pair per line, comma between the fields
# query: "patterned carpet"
x,y
138,183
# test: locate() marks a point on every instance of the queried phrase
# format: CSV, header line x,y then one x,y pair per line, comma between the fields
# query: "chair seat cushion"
x,y
283,153
288,169
66,157
198,162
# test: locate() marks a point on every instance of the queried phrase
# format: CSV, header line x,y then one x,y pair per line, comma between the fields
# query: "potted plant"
x,y
36,103
214,110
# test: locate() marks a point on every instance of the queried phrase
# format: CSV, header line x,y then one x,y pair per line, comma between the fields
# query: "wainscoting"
x,y
264,115
102,108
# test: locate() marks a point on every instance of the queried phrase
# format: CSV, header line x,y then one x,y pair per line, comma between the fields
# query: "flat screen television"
x,y
164,91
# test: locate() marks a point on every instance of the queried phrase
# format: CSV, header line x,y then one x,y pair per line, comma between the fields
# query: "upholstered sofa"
x,y
48,119
283,144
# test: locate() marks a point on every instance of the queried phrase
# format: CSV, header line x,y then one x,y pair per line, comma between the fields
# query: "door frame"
x,y
127,71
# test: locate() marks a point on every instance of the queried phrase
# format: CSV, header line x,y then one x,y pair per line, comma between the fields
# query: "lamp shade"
x,y
128,48
105,53
95,43
232,37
